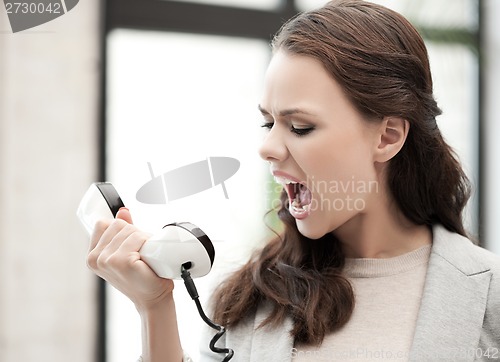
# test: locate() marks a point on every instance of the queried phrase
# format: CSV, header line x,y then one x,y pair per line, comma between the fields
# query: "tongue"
x,y
304,195
299,194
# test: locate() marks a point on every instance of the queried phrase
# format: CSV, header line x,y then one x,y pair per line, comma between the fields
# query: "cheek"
x,y
341,179
336,160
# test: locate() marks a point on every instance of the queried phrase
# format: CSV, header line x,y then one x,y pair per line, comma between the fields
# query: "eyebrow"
x,y
285,112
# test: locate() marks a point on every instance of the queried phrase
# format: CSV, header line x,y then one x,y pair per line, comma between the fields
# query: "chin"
x,y
310,232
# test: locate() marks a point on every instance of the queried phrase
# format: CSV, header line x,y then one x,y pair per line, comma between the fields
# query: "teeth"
x,y
283,181
297,207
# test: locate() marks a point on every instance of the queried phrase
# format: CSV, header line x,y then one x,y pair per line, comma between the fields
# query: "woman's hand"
x,y
114,256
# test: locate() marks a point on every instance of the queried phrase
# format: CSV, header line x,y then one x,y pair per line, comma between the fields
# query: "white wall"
x,y
492,124
48,113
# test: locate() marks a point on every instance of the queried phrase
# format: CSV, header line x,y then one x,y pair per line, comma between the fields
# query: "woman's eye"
x,y
297,130
301,131
267,125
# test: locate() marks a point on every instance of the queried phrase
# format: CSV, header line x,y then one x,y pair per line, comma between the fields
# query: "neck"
x,y
381,233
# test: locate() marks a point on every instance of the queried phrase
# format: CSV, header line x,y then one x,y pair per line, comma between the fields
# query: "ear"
x,y
391,138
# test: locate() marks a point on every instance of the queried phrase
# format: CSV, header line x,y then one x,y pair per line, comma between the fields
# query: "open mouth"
x,y
298,194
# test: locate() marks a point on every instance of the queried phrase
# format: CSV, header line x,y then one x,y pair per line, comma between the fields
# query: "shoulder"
x,y
479,271
463,254
473,261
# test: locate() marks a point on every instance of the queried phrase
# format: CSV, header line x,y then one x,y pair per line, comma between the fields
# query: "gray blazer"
x,y
458,320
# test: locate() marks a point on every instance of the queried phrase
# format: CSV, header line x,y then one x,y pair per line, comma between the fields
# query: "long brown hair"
x,y
381,62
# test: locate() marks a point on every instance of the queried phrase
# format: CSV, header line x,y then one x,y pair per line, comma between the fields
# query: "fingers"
x,y
122,250
114,256
124,214
100,227
114,237
106,239
126,254
134,242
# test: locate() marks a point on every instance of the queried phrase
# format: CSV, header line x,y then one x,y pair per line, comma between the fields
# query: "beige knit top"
x,y
388,293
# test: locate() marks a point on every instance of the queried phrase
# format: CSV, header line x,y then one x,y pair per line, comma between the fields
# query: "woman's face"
x,y
315,137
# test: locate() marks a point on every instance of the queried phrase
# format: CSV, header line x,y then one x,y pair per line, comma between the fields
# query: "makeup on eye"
x,y
299,128
302,130
267,125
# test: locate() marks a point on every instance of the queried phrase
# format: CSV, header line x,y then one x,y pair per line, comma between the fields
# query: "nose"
x,y
273,147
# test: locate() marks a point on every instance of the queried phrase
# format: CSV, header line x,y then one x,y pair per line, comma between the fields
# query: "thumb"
x,y
125,215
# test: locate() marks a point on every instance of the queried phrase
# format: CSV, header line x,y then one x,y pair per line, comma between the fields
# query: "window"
x,y
196,77
175,99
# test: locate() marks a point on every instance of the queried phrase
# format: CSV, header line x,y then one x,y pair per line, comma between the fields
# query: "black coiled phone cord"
x,y
191,288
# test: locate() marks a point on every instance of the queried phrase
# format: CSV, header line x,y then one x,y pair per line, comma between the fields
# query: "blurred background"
x,y
122,90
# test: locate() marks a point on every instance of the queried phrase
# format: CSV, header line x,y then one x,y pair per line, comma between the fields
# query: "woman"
x,y
374,261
